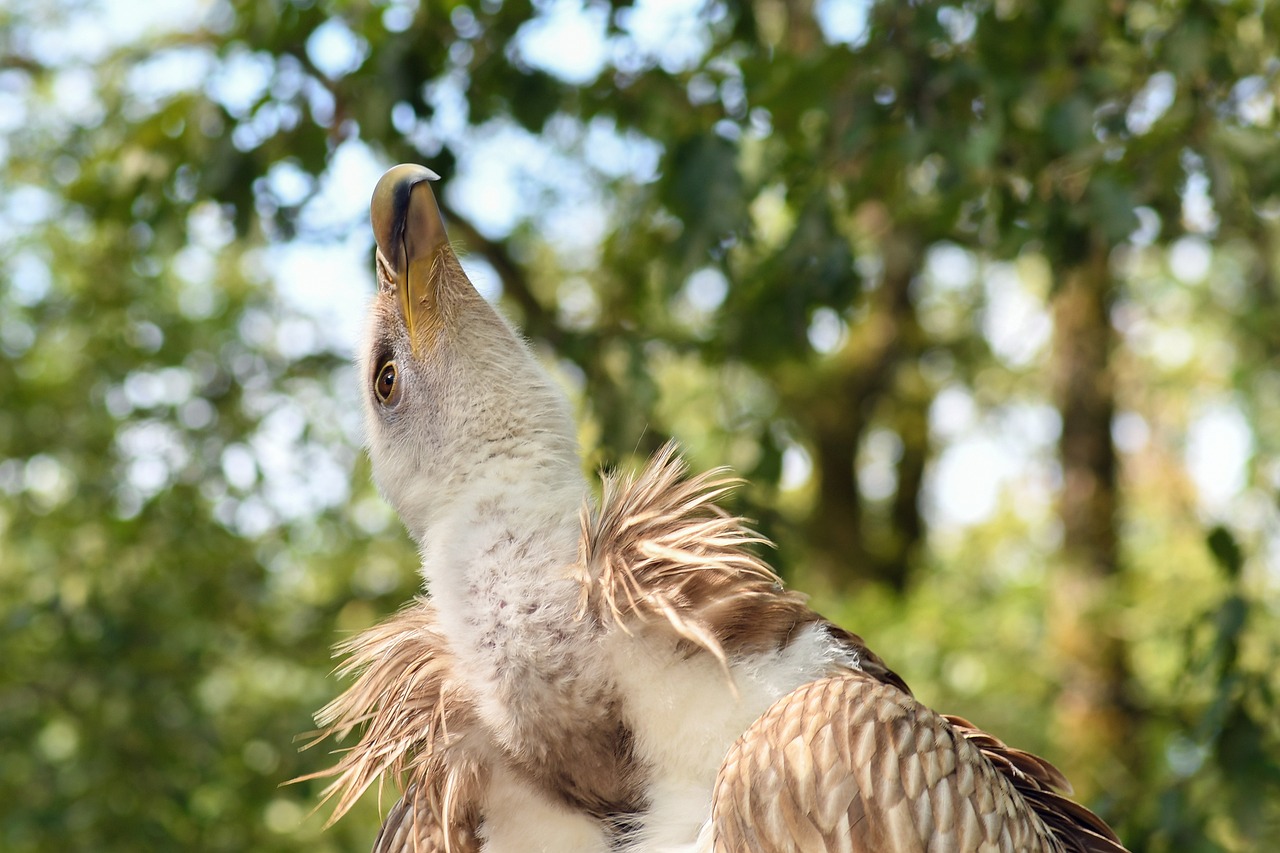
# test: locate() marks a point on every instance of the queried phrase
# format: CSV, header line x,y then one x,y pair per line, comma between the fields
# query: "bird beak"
x,y
409,231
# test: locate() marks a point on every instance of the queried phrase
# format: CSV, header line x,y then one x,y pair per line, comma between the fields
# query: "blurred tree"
x,y
821,242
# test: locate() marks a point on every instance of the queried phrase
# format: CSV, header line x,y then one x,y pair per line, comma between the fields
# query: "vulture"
x,y
621,673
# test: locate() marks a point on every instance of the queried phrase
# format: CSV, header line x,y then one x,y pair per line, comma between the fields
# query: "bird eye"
x,y
386,384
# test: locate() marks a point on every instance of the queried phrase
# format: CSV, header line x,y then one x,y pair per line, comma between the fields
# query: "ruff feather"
x,y
420,728
659,550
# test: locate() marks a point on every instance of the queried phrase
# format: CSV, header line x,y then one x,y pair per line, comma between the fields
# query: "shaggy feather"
x,y
420,729
659,549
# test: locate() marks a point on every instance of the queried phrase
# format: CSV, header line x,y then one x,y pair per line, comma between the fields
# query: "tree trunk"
x,y
835,411
912,423
1095,717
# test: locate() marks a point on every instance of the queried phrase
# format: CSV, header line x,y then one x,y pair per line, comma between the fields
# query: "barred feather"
x,y
848,764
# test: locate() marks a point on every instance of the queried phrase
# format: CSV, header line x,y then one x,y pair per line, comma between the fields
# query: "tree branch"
x,y
538,319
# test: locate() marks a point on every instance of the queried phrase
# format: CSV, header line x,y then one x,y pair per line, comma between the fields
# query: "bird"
x,y
622,672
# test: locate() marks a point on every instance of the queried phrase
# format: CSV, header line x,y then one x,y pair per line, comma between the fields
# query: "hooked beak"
x,y
409,231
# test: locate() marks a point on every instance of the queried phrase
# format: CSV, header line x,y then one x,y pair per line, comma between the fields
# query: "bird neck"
x,y
501,568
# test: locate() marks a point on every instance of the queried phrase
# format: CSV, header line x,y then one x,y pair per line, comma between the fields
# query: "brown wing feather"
x,y
405,831
868,661
417,825
1078,829
852,764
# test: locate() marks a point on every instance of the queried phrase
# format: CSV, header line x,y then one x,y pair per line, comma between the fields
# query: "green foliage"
x,y
805,248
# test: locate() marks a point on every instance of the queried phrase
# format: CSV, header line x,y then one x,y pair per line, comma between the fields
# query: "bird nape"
x,y
623,674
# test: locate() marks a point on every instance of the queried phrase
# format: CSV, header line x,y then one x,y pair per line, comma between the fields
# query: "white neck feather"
x,y
499,563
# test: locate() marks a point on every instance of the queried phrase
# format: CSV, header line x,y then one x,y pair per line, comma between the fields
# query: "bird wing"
x,y
416,825
855,765
410,827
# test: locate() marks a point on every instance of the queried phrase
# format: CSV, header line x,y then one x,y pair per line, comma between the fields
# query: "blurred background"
x,y
980,297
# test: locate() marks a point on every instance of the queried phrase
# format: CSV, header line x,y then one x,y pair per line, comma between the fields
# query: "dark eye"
x,y
386,384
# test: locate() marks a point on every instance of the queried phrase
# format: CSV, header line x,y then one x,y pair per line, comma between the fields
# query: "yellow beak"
x,y
409,231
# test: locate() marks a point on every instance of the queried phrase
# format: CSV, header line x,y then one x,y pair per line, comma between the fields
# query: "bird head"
x,y
454,400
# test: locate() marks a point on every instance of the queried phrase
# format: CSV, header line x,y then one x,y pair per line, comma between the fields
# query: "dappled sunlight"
x,y
979,300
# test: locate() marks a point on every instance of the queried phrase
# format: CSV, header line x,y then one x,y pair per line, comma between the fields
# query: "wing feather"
x,y
408,828
850,763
